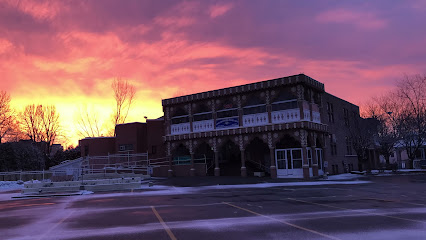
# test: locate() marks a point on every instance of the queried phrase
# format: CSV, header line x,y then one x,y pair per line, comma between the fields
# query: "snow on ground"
x,y
10,185
158,190
344,176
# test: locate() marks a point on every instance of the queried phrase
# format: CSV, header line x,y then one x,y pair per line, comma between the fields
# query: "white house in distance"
x,y
400,157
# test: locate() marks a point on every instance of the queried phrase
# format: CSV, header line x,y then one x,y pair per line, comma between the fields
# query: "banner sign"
x,y
227,123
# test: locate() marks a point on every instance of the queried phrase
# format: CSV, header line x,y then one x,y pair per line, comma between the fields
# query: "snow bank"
x,y
10,185
345,176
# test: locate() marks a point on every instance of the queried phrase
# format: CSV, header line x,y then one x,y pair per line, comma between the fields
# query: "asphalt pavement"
x,y
387,207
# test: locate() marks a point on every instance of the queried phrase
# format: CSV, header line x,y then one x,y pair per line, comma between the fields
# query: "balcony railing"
x,y
307,115
285,116
203,126
256,119
248,120
180,128
316,117
227,123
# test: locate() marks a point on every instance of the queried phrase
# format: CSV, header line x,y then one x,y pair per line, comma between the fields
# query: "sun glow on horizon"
x,y
67,54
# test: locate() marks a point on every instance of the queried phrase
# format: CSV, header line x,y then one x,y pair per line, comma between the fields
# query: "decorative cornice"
x,y
301,78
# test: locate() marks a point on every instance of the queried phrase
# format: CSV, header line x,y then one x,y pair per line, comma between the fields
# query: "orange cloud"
x,y
70,56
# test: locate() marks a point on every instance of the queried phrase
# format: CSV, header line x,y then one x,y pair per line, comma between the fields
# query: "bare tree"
x,y
6,115
41,123
31,122
50,124
87,123
411,121
362,134
385,111
402,113
124,93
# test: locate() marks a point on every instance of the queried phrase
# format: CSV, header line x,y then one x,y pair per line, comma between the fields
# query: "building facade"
x,y
277,127
341,117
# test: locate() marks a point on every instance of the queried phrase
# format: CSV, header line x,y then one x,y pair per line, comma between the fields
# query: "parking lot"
x,y
390,207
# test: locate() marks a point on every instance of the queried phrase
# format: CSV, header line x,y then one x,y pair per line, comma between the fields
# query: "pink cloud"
x,y
363,20
38,9
182,49
219,10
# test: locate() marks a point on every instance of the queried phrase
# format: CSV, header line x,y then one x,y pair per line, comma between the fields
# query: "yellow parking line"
x,y
357,210
281,221
171,235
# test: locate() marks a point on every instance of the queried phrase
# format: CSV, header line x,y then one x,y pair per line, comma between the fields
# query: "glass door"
x,y
281,161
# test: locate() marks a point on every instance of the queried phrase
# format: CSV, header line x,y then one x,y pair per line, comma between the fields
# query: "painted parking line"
x,y
281,221
356,210
54,226
169,232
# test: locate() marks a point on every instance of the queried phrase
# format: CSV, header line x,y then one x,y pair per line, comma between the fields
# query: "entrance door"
x,y
281,161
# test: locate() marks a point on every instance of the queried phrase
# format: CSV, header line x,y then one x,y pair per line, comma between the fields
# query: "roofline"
x,y
342,99
95,137
289,80
129,123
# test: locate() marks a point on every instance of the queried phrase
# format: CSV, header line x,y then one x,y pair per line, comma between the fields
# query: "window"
x,y
333,146
330,112
284,105
203,116
125,147
227,113
348,146
180,119
297,158
346,116
254,109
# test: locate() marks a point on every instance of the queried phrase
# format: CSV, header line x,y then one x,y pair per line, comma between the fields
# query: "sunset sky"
x,y
67,53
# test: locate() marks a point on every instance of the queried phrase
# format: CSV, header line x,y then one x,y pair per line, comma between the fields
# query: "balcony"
x,y
227,123
256,119
316,117
306,115
286,116
203,126
180,128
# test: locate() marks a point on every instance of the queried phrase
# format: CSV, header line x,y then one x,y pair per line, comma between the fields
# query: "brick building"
x,y
281,127
131,138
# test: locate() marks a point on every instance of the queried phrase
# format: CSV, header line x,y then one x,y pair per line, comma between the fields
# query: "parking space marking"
x,y
54,226
169,232
281,221
357,210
